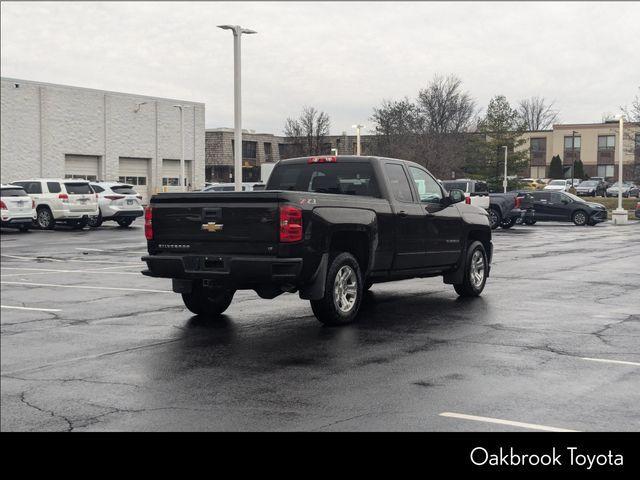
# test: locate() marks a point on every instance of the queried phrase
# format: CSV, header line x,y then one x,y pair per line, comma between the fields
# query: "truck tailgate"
x,y
246,222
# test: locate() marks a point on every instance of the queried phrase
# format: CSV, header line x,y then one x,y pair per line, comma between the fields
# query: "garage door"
x,y
81,166
135,171
171,174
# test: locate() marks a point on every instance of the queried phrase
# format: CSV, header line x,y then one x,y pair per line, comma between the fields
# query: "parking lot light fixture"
x,y
357,127
182,182
237,102
620,215
504,182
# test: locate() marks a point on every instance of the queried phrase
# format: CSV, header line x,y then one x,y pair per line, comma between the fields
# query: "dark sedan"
x,y
565,207
591,188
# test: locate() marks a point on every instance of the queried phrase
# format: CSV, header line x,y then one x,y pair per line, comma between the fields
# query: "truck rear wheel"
x,y
495,218
475,272
343,292
208,301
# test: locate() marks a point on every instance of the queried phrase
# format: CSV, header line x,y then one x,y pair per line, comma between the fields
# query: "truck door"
x,y
443,225
409,217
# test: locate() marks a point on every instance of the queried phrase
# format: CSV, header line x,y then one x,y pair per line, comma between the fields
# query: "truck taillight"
x,y
467,200
64,197
3,206
114,197
148,227
322,160
518,202
290,224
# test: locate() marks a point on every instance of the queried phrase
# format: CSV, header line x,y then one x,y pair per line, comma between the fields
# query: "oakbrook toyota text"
x,y
572,457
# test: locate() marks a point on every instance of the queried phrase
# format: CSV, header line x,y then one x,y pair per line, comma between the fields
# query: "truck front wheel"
x,y
495,218
475,272
343,292
208,301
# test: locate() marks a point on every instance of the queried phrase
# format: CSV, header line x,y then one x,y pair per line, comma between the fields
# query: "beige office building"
x,y
596,144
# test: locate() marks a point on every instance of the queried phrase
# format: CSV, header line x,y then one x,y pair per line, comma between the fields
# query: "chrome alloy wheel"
x,y
476,272
345,289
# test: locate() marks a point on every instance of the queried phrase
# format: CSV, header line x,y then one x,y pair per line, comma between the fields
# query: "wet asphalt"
x,y
118,351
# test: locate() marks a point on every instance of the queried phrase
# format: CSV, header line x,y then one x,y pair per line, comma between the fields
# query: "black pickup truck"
x,y
326,227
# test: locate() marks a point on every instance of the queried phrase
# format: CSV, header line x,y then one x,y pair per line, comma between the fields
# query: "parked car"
x,y
614,189
591,188
69,201
230,187
17,209
475,191
327,227
634,191
561,185
531,184
638,210
566,207
117,202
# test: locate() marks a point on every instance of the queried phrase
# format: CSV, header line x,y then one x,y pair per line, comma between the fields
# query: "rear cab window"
x,y
12,192
398,182
74,188
348,178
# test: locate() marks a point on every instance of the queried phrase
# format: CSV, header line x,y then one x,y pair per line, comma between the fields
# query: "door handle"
x,y
402,214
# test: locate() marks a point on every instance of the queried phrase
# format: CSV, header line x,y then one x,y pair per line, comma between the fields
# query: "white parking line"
x,y
29,284
34,309
510,423
51,270
606,360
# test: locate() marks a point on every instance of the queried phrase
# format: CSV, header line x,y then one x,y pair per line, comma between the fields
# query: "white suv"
x,y
118,202
17,209
61,200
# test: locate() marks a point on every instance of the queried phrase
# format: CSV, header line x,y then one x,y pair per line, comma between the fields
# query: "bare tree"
x,y
633,113
445,107
307,133
536,114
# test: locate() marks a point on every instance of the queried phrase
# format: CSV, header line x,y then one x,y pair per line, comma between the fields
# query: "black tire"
x,y
530,222
208,302
472,285
44,218
341,301
506,224
495,218
79,224
580,218
125,222
95,222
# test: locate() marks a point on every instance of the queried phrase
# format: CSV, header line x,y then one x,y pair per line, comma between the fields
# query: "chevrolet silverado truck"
x,y
325,227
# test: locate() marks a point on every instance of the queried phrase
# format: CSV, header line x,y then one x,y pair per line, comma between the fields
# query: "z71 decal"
x,y
307,201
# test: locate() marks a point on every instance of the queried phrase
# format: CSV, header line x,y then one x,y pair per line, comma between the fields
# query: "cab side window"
x,y
428,189
398,181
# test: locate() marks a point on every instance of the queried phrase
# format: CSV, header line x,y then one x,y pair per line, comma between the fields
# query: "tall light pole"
x,y
357,127
504,182
182,185
619,215
237,101
573,155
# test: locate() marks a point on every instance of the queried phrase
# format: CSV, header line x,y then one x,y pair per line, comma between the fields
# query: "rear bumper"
x,y
236,270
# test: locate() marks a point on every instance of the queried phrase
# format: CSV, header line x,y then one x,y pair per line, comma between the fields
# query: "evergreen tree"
x,y
579,170
555,169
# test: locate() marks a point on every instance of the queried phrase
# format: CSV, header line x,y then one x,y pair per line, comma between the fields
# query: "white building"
x,y
62,131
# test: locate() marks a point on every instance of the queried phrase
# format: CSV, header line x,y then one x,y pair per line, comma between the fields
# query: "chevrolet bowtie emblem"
x,y
212,227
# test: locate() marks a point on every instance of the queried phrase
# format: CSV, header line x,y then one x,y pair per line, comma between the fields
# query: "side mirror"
x,y
456,196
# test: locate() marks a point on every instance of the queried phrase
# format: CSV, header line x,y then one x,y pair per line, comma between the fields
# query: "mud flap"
x,y
315,289
182,286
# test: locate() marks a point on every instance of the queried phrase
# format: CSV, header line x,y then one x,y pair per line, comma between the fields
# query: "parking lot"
x,y
88,343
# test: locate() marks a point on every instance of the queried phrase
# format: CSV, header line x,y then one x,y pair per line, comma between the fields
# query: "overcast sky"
x,y
344,58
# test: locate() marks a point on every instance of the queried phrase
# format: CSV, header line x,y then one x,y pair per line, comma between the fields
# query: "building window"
x,y
249,149
605,171
538,144
89,178
170,181
568,142
538,172
133,180
606,142
268,155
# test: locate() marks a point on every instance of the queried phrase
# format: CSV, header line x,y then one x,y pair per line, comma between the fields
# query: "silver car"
x,y
117,202
614,189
